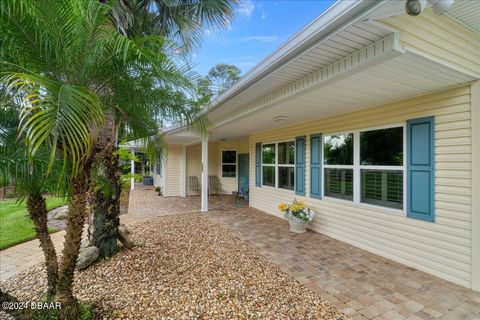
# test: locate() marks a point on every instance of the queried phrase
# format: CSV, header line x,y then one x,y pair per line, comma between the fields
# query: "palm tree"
x,y
67,58
32,182
183,21
137,98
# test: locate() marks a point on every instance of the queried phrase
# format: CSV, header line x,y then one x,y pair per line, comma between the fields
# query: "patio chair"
x,y
193,184
243,193
214,185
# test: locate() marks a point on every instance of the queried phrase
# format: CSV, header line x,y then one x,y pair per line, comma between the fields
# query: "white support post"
x,y
132,170
205,174
184,171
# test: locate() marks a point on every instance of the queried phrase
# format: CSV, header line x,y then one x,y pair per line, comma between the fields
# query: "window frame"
x,y
276,165
159,165
228,163
357,167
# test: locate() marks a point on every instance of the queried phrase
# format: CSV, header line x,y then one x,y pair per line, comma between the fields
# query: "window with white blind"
x,y
278,165
366,166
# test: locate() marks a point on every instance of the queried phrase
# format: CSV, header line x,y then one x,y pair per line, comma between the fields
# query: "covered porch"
x,y
199,168
359,283
204,167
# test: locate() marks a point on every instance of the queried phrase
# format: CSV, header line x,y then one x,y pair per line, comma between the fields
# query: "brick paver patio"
x,y
361,284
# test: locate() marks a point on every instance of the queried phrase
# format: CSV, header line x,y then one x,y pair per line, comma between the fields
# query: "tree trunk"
x,y
75,221
107,189
37,209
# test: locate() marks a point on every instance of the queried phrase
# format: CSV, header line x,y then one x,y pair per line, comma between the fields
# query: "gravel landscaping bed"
x,y
187,267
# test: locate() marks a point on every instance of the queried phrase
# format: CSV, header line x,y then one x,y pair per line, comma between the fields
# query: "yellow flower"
x,y
301,205
282,207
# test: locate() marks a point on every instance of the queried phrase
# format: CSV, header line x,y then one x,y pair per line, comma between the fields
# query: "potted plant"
x,y
297,214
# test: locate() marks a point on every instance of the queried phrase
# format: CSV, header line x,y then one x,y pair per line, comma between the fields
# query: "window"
x,y
229,164
286,165
366,166
338,164
278,165
381,167
158,165
268,165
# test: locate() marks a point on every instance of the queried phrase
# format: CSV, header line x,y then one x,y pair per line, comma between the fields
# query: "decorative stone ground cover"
x,y
186,267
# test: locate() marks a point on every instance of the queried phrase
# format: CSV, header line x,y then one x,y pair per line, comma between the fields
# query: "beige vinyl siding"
x,y
440,38
173,171
442,248
194,162
240,146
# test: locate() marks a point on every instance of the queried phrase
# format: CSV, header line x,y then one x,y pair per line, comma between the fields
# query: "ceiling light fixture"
x,y
280,119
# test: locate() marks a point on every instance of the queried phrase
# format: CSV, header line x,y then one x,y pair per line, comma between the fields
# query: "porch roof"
x,y
341,62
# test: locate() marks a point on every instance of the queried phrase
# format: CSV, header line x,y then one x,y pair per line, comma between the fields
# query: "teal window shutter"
x,y
258,164
316,166
421,169
300,166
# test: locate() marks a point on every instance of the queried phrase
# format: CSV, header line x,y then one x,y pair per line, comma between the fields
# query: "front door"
x,y
243,178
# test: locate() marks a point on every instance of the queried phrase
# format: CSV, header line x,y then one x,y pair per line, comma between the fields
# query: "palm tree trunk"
x,y
37,209
75,221
106,197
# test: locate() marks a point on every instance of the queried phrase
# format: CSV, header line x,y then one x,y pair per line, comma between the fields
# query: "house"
x,y
369,115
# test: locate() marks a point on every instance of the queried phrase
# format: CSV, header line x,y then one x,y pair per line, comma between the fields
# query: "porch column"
x,y
132,170
184,171
205,174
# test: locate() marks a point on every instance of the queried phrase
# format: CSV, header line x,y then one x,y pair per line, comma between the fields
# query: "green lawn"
x,y
15,224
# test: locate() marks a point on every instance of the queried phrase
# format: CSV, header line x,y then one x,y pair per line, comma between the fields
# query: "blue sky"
x,y
259,27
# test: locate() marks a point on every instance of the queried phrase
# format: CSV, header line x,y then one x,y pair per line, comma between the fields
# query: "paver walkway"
x,y
19,258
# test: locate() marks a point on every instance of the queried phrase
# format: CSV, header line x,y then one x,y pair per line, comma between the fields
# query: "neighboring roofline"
x,y
331,21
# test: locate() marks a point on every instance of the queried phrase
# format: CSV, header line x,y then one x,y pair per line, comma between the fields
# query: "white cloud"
x,y
246,64
261,39
245,8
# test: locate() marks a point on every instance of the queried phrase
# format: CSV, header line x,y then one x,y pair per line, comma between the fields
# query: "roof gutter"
x,y
339,16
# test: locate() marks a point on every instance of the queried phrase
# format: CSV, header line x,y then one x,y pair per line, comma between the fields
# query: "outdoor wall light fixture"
x,y
415,7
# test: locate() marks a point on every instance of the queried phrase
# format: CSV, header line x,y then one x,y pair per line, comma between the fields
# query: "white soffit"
x,y
467,12
335,48
403,76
